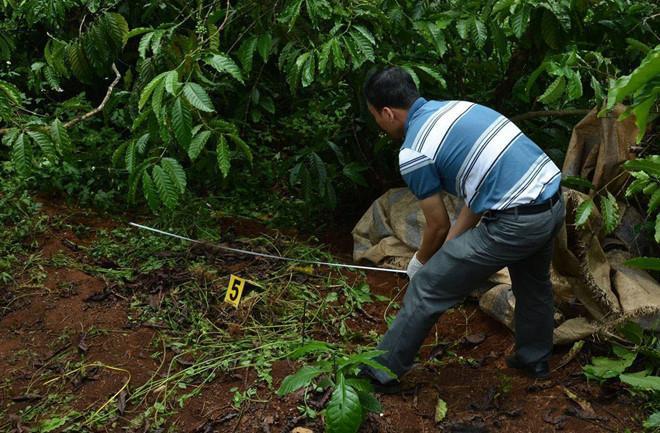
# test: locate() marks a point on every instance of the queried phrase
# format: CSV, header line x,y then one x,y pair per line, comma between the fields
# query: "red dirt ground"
x,y
482,394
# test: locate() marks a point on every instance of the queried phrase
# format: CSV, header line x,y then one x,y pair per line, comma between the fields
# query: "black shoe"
x,y
391,387
537,370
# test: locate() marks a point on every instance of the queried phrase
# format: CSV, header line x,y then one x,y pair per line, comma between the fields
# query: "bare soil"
x,y
481,393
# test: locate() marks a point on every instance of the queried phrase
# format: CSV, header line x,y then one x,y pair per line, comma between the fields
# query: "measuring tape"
x,y
269,256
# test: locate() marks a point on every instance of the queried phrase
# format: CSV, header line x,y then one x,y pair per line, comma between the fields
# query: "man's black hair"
x,y
390,87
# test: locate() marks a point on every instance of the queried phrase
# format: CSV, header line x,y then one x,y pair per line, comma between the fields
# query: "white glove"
x,y
413,266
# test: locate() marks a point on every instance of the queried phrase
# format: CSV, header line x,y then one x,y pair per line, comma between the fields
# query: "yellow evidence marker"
x,y
237,287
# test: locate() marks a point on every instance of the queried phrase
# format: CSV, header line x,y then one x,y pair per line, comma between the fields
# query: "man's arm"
x,y
465,221
437,226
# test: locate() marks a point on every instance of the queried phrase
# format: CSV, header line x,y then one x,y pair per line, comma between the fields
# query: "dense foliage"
x,y
263,99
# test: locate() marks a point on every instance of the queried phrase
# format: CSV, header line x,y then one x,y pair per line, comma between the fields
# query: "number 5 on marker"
x,y
235,290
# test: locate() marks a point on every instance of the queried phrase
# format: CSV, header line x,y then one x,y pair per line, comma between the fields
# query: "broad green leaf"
x,y
172,84
130,157
264,45
353,170
21,155
118,153
291,13
641,383
197,96
654,201
610,211
641,110
223,156
52,424
174,170
657,228
575,182
412,73
150,192
647,263
324,56
550,29
157,100
308,70
366,33
242,145
433,74
363,44
479,33
520,20
554,91
649,165
369,402
625,86
149,89
583,212
463,28
338,60
602,368
246,54
225,64
141,143
60,136
300,379
197,144
310,347
574,88
182,123
440,410
344,411
45,143
167,190
144,44
653,421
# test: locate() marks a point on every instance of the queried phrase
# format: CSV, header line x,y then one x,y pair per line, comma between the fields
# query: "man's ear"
x,y
387,113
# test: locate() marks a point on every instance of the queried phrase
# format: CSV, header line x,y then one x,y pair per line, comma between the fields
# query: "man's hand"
x,y
413,266
437,227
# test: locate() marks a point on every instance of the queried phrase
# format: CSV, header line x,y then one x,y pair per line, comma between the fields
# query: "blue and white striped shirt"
x,y
475,153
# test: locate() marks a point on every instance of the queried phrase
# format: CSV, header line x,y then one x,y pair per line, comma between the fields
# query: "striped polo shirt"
x,y
475,153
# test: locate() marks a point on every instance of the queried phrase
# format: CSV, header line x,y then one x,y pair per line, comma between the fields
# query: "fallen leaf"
x,y
475,339
584,405
440,410
566,359
301,430
121,402
82,344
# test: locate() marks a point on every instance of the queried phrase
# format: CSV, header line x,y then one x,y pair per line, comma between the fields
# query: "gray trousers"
x,y
523,243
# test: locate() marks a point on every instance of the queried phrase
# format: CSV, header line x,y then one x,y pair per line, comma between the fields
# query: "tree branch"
x,y
96,110
558,113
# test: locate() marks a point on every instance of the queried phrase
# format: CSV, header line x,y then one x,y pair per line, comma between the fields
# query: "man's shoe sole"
x,y
513,362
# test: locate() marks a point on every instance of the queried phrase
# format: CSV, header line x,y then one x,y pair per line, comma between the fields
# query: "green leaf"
x,y
60,136
310,347
654,201
223,156
338,60
182,123
575,182
583,212
363,44
225,64
197,96
641,383
52,424
21,155
433,74
172,84
308,69
554,91
130,157
653,421
647,263
602,368
520,21
291,13
300,379
344,411
366,33
649,165
353,171
176,173
150,192
157,99
479,33
463,28
197,144
369,402
246,53
149,89
141,143
657,228
440,410
324,56
264,45
166,188
610,211
45,143
574,88
550,29
145,41
648,69
238,141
